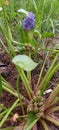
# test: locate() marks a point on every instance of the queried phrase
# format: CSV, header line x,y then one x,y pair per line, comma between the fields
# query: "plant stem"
x,y
5,48
25,82
8,113
19,95
52,96
49,77
10,91
29,72
41,71
54,109
51,119
47,74
10,47
55,101
29,76
2,106
44,124
6,86
23,116
5,83
3,113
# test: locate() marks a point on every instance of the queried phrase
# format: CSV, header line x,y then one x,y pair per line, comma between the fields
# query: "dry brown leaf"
x,y
14,117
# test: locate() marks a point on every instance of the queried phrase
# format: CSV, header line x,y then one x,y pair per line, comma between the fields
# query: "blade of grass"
x,y
5,48
32,119
49,77
3,113
51,106
8,113
7,87
39,79
35,6
52,96
49,70
10,91
12,11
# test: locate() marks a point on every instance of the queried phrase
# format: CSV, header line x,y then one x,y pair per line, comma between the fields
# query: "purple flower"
x,y
28,22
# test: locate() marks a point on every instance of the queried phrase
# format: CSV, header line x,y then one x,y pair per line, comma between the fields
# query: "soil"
x,y
9,72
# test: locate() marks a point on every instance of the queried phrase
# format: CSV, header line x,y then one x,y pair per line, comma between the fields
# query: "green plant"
x,y
5,112
45,13
39,108
19,40
6,31
45,24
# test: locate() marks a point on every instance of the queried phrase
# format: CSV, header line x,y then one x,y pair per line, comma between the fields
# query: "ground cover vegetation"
x,y
24,26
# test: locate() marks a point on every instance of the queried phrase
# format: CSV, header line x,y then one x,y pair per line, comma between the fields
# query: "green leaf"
x,y
8,112
20,48
56,47
23,11
24,62
1,107
47,34
37,33
32,119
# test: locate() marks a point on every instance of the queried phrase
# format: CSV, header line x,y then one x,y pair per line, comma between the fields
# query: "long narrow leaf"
x,y
39,79
52,96
53,71
44,124
47,74
8,113
32,119
52,119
